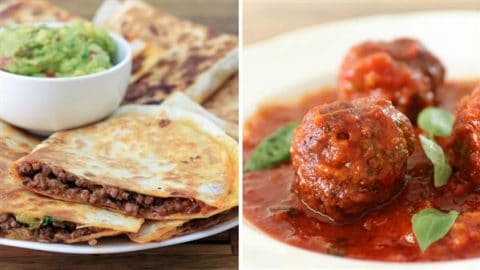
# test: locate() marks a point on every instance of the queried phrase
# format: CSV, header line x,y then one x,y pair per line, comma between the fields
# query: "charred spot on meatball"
x,y
350,157
402,71
464,152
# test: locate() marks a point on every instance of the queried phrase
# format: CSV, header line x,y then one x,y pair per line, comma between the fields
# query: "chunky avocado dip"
x,y
76,49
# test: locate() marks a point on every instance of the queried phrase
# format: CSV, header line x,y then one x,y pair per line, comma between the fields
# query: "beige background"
x,y
266,18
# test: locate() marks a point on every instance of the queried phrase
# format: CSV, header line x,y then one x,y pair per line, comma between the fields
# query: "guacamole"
x,y
76,49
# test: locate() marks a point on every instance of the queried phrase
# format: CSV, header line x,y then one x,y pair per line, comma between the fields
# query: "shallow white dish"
x,y
118,244
45,105
305,60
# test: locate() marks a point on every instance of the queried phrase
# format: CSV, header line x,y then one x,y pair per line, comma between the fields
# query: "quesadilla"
x,y
163,230
196,60
156,231
27,216
180,100
32,11
224,103
145,57
155,162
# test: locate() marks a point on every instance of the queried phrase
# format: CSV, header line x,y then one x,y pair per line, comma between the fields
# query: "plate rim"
x,y
127,246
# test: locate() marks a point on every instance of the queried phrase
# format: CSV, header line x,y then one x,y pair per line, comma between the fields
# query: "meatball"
x,y
402,71
350,156
464,151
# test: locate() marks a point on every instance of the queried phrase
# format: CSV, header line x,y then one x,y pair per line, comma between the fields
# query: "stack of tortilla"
x,y
174,165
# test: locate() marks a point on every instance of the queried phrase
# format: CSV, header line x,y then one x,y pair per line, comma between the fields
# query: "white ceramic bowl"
x,y
45,105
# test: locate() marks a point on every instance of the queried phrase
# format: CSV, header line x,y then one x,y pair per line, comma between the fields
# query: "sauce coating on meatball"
x,y
465,150
350,156
402,71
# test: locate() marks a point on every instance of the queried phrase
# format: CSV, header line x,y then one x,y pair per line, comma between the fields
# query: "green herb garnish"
x,y
273,150
441,169
47,220
436,122
430,225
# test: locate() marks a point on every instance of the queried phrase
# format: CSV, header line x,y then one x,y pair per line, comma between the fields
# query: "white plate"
x,y
292,64
118,244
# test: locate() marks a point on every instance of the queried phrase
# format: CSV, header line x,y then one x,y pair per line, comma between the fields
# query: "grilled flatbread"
x,y
162,230
224,103
180,100
196,60
156,231
27,216
32,11
155,162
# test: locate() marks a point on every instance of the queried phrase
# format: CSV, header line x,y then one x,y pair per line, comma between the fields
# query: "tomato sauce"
x,y
384,234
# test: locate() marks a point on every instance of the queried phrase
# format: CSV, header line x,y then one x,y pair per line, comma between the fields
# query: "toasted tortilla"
x,y
15,200
180,100
196,60
32,11
224,103
157,151
156,231
145,57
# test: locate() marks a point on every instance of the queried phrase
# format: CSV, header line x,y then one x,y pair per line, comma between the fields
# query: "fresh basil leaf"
x,y
431,225
47,220
436,122
273,150
441,169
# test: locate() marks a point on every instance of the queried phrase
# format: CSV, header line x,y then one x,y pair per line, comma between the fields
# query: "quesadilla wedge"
x,y
27,216
156,231
32,11
155,162
224,103
196,60
180,100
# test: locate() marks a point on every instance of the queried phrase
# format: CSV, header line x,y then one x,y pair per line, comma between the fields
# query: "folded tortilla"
x,y
180,100
196,60
27,216
156,231
150,161
224,103
32,11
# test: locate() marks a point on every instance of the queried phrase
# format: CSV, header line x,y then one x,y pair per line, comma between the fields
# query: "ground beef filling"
x,y
56,182
56,232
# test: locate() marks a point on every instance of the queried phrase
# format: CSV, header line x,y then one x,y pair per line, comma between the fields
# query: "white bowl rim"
x,y
119,42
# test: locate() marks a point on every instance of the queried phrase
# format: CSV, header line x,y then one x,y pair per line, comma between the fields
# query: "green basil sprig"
x,y
436,122
273,150
431,225
441,169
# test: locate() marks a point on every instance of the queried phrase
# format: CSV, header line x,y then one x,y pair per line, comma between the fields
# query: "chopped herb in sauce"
x,y
441,169
273,150
431,225
436,122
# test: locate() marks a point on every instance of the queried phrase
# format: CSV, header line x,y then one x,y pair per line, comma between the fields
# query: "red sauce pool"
x,y
385,234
